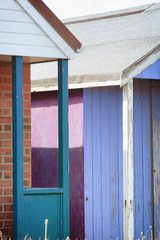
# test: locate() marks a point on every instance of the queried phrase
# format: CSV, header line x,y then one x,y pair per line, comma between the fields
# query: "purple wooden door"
x,y
44,115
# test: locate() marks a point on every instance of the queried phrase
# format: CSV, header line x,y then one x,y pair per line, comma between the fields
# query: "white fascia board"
x,y
137,67
47,28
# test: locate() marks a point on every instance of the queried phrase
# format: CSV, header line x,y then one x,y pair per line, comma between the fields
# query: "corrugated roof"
x,y
112,42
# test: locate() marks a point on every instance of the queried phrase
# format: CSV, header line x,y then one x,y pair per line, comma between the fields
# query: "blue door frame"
x,y
32,206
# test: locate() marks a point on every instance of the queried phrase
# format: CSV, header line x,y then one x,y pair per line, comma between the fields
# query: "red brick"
x,y
8,159
8,207
1,94
1,80
27,151
27,183
5,167
26,112
6,87
7,232
8,191
7,175
8,224
5,199
7,80
7,111
26,72
25,143
5,151
0,159
5,120
8,128
26,66
7,143
27,159
4,135
7,65
27,167
27,104
1,127
27,120
27,175
1,143
1,224
5,103
1,191
0,111
27,80
27,96
6,72
5,183
8,95
27,136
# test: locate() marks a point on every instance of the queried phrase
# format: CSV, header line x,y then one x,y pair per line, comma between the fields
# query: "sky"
x,y
75,8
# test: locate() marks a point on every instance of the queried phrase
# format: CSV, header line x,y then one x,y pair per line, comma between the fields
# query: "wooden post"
x,y
63,140
17,122
128,174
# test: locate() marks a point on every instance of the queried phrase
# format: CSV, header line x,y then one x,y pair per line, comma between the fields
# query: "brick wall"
x,y
6,221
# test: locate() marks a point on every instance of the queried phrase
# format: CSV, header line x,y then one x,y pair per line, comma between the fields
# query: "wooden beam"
x,y
63,140
128,174
17,116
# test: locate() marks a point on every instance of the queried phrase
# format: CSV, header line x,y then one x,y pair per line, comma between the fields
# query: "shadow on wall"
x,y
45,175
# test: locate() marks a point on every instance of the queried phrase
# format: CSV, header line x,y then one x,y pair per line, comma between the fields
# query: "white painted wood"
x,y
9,4
141,64
19,27
128,174
53,35
25,39
21,35
15,16
33,51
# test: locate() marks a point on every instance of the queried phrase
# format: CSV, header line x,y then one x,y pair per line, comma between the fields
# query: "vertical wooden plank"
x,y
17,116
128,214
138,159
156,154
105,155
63,140
114,173
120,161
88,164
97,180
147,163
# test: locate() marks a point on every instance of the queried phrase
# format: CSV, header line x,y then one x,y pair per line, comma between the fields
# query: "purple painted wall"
x,y
44,116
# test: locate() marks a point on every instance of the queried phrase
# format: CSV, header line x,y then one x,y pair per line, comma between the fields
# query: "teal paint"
x,y
63,140
39,207
17,113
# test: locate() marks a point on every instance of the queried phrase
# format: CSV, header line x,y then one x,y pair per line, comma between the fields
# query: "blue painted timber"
x,y
103,163
17,113
152,72
63,140
143,217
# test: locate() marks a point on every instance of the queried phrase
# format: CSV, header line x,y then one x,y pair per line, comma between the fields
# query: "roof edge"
x,y
55,22
138,66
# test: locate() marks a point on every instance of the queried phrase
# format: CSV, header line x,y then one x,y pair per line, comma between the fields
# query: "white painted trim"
x,y
76,86
138,66
128,174
45,26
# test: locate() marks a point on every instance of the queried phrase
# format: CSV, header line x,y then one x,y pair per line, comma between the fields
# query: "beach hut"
x,y
116,84
31,33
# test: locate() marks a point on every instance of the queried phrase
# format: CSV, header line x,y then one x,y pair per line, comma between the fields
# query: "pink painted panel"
x,y
44,119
